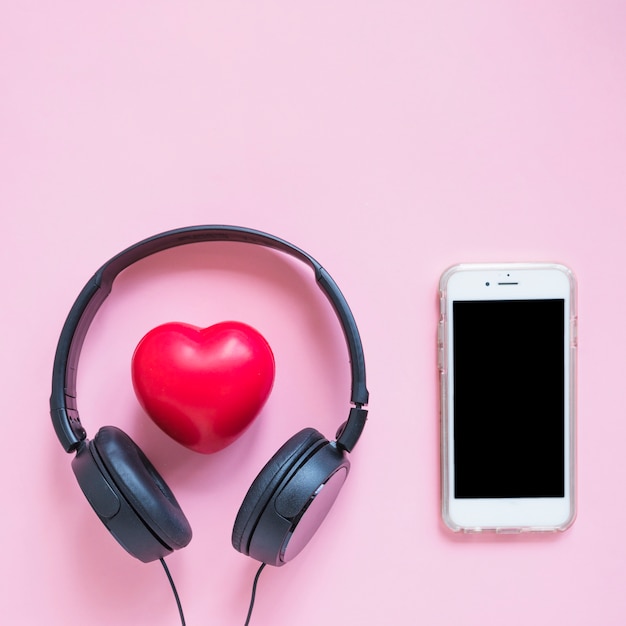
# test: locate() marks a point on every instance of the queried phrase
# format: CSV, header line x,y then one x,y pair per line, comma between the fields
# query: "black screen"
x,y
509,398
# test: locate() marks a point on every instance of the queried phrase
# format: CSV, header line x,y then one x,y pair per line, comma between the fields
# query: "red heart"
x,y
203,386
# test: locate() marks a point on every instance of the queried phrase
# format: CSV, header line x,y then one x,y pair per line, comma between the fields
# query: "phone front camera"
x,y
486,284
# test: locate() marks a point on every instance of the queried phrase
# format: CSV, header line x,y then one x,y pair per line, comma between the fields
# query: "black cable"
x,y
180,608
169,577
254,584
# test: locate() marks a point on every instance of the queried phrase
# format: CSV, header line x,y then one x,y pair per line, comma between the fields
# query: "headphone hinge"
x,y
350,431
68,428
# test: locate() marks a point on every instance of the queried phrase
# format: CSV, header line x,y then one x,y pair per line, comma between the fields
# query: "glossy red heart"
x,y
203,386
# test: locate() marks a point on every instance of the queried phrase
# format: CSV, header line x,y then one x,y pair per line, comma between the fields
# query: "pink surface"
x,y
389,140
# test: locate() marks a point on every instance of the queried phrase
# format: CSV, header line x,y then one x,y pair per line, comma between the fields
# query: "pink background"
x,y
389,140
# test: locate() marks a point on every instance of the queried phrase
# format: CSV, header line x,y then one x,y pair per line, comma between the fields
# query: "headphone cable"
x,y
169,577
254,584
178,603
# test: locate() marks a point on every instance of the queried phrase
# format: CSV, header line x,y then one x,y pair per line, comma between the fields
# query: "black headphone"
x,y
289,498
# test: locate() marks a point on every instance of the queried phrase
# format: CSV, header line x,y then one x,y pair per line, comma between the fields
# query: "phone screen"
x,y
509,398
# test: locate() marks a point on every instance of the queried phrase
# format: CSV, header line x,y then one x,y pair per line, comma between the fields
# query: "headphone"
x,y
291,495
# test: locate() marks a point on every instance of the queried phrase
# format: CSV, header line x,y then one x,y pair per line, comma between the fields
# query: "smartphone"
x,y
507,340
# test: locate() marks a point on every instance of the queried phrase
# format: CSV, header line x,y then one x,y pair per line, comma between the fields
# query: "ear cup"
x,y
266,482
143,487
130,496
282,493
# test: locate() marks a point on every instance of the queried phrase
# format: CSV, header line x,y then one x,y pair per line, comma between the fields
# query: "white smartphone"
x,y
507,341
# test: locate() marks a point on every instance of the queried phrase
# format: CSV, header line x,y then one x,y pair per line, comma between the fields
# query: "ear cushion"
x,y
265,484
143,487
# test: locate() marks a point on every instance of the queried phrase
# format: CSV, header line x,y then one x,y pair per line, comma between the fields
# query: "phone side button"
x,y
573,332
440,332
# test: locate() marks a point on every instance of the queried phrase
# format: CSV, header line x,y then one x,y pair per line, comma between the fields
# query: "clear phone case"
x,y
443,363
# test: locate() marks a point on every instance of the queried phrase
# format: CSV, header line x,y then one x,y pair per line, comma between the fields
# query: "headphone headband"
x,y
63,408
